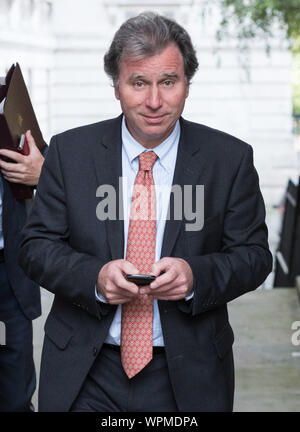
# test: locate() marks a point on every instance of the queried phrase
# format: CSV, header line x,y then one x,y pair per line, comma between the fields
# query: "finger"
x,y
16,174
162,289
145,289
171,288
128,288
123,286
114,282
162,266
159,267
12,155
113,293
167,289
11,166
13,176
31,142
9,173
166,278
128,268
12,180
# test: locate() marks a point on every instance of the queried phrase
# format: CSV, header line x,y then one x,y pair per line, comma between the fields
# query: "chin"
x,y
155,133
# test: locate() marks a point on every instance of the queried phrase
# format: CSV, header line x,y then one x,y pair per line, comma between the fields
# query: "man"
x,y
19,296
166,346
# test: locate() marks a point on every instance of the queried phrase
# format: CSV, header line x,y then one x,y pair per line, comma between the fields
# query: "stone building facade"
x,y
60,46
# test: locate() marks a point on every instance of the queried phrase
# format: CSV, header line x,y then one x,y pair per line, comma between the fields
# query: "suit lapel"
x,y
108,167
189,170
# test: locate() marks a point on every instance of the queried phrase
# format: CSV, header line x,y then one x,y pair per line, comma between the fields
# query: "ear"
x,y
187,91
117,92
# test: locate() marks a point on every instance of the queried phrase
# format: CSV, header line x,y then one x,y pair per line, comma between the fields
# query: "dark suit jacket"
x,y
25,290
65,246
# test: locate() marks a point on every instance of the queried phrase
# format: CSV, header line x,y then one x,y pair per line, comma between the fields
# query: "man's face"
x,y
152,93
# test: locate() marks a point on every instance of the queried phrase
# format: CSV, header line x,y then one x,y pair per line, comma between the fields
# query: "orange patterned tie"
x,y
137,315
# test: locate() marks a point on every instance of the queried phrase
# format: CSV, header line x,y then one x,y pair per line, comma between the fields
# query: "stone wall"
x,y
60,45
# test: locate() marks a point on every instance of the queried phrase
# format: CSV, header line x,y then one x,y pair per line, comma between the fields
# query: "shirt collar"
x,y
133,148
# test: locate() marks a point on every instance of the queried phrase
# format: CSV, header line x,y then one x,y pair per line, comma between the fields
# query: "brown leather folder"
x,y
16,117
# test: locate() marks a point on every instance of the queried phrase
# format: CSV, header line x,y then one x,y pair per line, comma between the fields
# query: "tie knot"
x,y
146,160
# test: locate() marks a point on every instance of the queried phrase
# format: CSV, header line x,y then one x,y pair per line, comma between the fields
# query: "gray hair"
x,y
146,35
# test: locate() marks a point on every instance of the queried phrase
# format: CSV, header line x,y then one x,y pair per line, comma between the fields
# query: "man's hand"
x,y
27,169
113,286
175,283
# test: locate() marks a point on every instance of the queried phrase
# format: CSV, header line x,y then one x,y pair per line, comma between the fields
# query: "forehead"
x,y
169,60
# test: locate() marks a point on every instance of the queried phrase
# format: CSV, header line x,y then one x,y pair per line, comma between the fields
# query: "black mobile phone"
x,y
140,279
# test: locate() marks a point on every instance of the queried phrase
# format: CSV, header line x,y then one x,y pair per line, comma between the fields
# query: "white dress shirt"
x,y
163,172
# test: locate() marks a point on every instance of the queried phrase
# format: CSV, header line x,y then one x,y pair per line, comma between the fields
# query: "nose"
x,y
153,100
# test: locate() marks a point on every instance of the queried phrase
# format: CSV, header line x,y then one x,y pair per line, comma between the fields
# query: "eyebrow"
x,y
164,75
170,75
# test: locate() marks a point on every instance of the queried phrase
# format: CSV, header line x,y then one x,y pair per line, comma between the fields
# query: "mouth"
x,y
154,119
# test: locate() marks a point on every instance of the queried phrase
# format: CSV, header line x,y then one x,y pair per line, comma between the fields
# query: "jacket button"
x,y
95,350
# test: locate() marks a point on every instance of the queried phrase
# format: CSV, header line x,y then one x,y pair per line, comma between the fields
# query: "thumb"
x,y
129,268
31,142
158,267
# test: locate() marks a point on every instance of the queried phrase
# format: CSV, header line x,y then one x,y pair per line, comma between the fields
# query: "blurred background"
x,y
248,84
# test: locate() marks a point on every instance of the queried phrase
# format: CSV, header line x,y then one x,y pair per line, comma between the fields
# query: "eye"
x,y
138,84
168,83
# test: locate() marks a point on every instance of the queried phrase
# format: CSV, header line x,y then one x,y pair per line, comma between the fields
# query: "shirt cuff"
x,y
99,296
189,296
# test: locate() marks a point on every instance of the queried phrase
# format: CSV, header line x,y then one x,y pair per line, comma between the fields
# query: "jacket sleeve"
x,y
244,260
46,256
